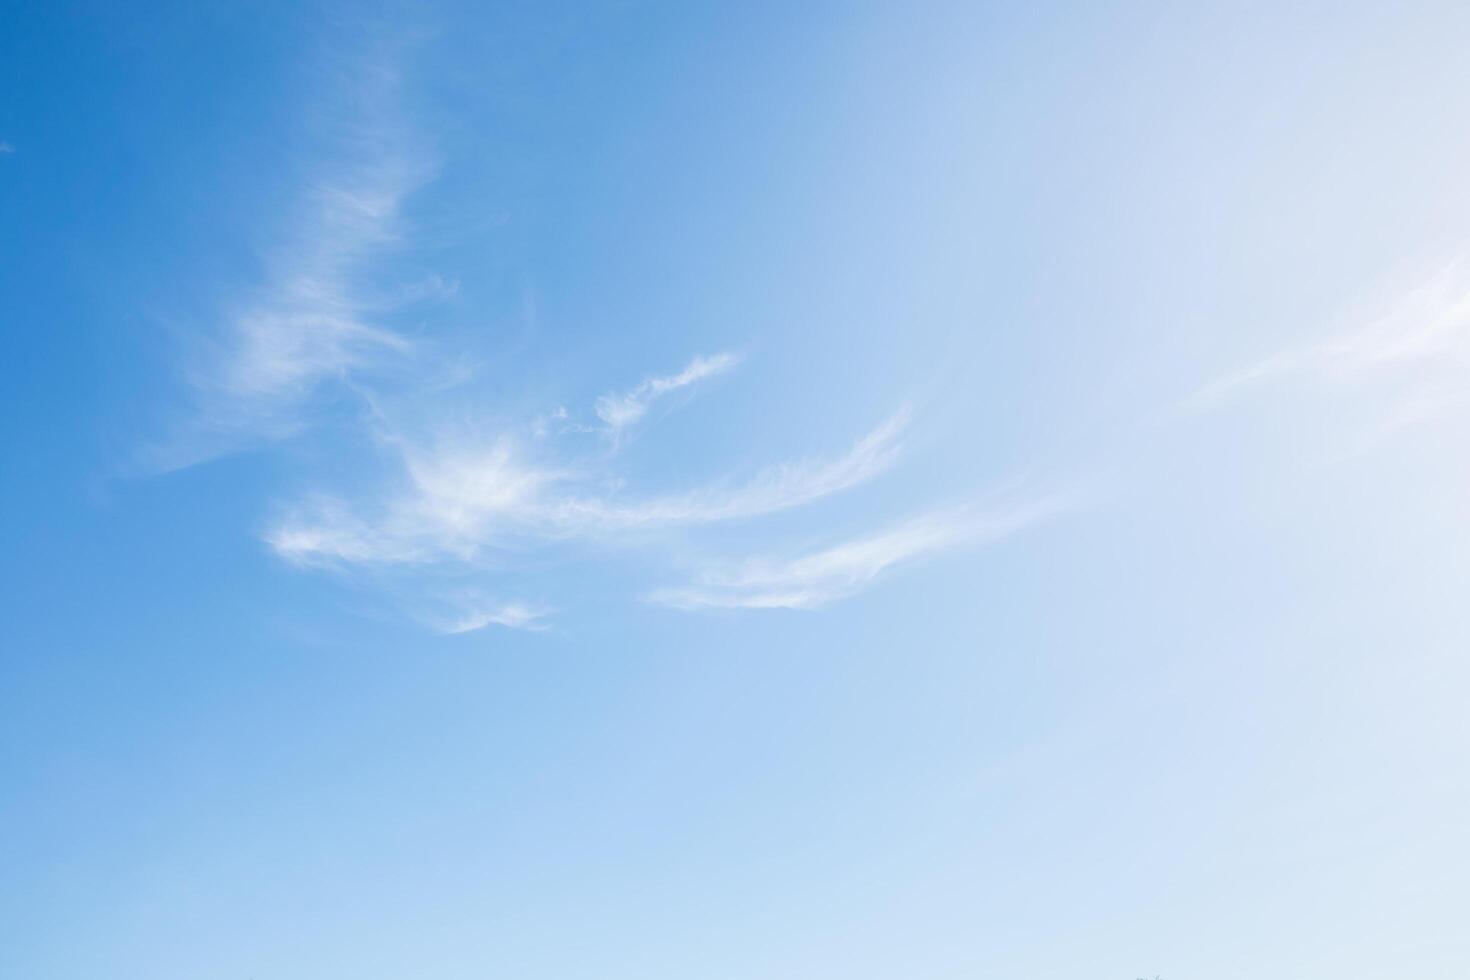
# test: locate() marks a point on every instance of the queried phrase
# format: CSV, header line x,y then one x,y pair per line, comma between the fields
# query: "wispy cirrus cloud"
x,y
432,486
1414,353
477,615
312,322
459,500
821,577
618,411
317,315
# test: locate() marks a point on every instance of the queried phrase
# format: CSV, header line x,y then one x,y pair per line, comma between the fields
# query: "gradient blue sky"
x,y
639,489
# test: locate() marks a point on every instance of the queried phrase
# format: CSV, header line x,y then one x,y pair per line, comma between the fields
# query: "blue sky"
x,y
706,490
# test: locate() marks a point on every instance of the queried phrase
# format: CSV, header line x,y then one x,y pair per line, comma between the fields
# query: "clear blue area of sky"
x,y
1196,269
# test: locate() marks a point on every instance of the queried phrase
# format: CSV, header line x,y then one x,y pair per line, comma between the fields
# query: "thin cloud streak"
x,y
777,488
316,317
1419,347
464,504
823,577
618,411
462,500
512,615
312,324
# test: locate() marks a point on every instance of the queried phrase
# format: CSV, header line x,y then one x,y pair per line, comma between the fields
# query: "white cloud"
x,y
1416,350
618,411
312,321
456,503
513,615
462,498
316,316
326,531
822,577
774,489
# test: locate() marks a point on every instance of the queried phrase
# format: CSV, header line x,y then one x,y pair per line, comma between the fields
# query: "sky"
x,y
648,489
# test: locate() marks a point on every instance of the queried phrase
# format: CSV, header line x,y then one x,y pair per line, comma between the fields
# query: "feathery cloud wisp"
x,y
462,499
822,577
457,506
618,411
317,315
513,615
1419,348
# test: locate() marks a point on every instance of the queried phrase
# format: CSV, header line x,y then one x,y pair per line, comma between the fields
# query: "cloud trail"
x,y
823,577
512,615
618,411
1417,350
317,315
461,500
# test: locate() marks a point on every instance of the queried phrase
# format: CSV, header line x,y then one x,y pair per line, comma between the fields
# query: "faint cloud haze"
x,y
621,410
821,577
317,317
1413,354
